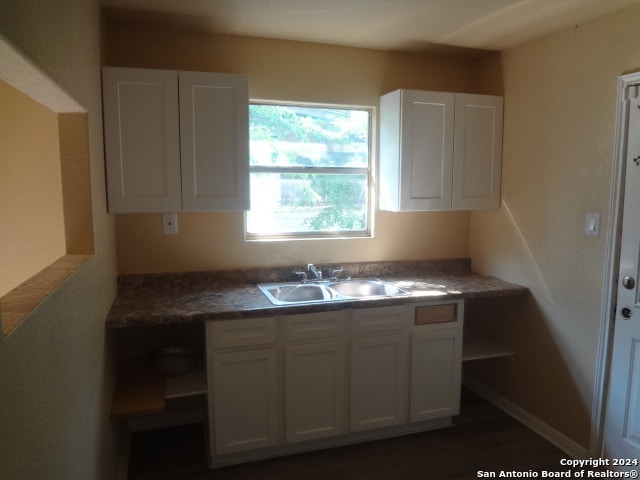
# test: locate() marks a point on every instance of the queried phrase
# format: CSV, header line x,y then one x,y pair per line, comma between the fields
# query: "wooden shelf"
x,y
477,347
142,390
192,383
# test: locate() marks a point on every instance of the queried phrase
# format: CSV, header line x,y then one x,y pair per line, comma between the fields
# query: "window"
x,y
310,171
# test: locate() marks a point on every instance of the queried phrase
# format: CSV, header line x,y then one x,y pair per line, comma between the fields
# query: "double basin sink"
x,y
297,293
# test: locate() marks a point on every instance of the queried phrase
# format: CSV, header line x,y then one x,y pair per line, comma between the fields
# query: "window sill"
x,y
20,302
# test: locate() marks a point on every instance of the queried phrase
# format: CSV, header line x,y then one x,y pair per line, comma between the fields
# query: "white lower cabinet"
x,y
315,393
436,359
379,381
245,411
284,384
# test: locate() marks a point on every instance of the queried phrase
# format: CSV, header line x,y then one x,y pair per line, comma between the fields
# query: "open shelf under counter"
x,y
477,347
142,390
192,383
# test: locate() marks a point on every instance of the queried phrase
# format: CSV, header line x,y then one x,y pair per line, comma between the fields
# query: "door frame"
x,y
612,262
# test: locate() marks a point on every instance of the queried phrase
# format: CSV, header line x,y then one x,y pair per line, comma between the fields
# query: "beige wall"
x,y
30,193
56,374
287,71
560,104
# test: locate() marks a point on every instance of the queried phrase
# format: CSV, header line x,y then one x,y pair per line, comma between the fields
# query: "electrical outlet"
x,y
170,223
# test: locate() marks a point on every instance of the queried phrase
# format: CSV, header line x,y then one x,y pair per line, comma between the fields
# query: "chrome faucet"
x,y
317,273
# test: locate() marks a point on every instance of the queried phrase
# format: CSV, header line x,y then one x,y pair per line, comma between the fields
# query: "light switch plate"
x,y
592,225
170,223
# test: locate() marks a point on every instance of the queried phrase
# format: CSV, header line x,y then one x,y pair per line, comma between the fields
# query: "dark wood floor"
x,y
483,439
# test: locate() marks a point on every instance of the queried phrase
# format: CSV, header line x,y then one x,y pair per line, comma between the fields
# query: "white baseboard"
x,y
564,443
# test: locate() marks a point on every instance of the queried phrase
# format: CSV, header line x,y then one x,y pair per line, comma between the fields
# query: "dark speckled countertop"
x,y
170,298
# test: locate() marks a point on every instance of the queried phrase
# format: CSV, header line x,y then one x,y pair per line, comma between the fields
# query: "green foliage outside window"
x,y
286,138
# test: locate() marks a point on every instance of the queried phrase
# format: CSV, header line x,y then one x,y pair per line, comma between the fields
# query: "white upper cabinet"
x,y
175,141
214,126
439,151
477,152
416,150
142,140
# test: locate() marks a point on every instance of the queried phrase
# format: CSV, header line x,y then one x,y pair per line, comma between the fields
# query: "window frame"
x,y
369,172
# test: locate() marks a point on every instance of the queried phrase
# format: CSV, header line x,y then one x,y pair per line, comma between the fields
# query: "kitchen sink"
x,y
281,294
365,288
298,293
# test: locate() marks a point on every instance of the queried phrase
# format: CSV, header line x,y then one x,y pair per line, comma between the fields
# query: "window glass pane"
x,y
284,136
290,203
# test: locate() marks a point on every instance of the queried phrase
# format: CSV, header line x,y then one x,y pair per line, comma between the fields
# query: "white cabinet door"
x,y
440,151
315,390
416,150
175,141
477,152
379,381
142,143
436,363
214,135
244,410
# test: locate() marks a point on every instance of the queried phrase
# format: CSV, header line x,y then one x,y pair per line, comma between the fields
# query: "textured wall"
x,y
560,105
56,377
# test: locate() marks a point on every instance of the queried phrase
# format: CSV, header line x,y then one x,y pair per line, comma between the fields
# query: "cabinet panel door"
x,y
477,152
142,144
214,116
427,150
244,404
315,376
436,362
379,381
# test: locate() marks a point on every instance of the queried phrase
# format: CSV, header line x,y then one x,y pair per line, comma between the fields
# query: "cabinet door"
x,y
416,150
477,152
315,376
142,145
436,362
214,131
379,381
244,407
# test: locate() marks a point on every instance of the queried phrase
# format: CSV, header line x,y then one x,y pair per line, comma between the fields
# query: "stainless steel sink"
x,y
298,293
287,293
365,288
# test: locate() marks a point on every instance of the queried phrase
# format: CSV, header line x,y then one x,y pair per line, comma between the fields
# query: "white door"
x,y
379,381
477,152
214,129
315,376
436,366
622,433
245,412
142,143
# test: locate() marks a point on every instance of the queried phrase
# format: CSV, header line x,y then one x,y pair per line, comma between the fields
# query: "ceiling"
x,y
405,25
